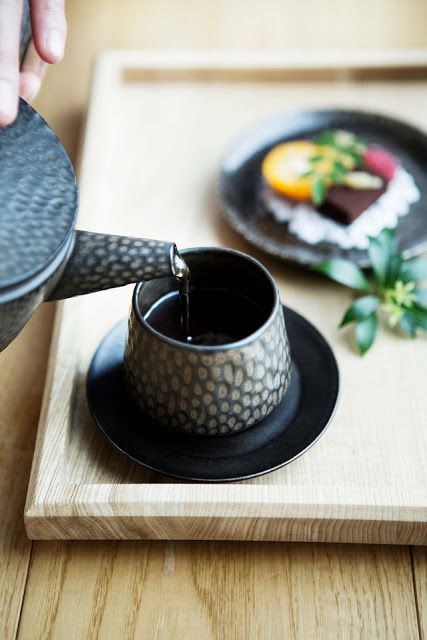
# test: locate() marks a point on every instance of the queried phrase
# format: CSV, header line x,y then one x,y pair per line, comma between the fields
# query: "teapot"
x,y
42,257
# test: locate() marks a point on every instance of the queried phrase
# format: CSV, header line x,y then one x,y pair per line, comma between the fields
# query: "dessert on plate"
x,y
336,188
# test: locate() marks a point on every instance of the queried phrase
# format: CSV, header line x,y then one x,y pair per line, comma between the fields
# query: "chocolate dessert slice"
x,y
344,204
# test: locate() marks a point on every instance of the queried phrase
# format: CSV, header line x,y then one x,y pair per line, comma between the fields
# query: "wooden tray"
x,y
157,127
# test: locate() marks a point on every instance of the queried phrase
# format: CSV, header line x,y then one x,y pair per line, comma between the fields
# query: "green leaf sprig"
x,y
393,286
324,172
345,142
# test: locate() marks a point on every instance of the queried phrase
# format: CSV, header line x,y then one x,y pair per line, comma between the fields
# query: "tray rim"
x,y
253,61
154,510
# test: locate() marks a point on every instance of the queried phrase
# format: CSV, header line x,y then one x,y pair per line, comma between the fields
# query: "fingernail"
x,y
8,102
55,43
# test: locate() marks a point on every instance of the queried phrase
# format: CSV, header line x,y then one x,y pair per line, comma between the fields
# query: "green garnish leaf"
x,y
308,174
408,324
339,166
355,155
336,177
421,296
338,172
360,309
414,270
366,331
420,314
384,257
318,191
326,137
393,269
347,146
379,259
393,287
344,272
388,240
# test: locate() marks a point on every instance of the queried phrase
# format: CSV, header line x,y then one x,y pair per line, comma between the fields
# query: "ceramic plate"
x,y
291,429
240,181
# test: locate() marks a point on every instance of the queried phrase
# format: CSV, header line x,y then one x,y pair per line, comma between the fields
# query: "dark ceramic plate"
x,y
285,434
240,181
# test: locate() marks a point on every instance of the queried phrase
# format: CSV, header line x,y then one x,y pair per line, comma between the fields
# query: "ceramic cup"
x,y
209,390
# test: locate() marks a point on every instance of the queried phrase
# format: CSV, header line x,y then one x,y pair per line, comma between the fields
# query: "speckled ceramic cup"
x,y
209,390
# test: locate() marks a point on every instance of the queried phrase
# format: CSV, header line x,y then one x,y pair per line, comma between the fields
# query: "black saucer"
x,y
285,434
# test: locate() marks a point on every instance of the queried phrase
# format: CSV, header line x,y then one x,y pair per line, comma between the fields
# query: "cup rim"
x,y
244,342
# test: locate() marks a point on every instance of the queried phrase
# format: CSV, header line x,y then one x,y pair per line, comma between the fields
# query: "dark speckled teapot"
x,y
41,256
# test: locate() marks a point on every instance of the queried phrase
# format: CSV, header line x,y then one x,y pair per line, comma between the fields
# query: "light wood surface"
x,y
231,25
365,480
419,567
22,375
80,590
211,24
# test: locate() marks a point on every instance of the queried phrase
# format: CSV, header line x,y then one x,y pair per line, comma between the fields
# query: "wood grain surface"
x,y
22,373
230,25
365,480
211,24
215,591
419,567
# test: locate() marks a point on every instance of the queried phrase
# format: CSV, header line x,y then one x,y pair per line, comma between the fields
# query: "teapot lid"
x,y
38,197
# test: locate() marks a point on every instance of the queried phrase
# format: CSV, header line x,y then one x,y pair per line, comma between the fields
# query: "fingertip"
x,y
51,49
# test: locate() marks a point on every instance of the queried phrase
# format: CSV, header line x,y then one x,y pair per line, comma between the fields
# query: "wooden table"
x,y
191,590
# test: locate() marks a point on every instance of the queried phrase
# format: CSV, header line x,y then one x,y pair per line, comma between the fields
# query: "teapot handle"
x,y
100,261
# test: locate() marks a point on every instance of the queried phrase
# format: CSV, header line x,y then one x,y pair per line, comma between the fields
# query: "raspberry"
x,y
380,162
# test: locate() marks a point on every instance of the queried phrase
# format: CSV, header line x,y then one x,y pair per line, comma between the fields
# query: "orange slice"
x,y
285,165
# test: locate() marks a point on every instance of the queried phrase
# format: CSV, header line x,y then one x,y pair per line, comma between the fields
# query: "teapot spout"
x,y
100,261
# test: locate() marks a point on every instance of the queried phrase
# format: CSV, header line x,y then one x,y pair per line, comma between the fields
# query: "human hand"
x,y
46,47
